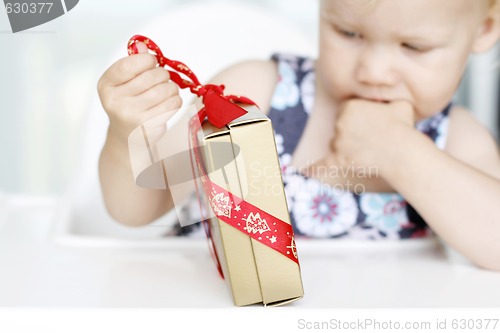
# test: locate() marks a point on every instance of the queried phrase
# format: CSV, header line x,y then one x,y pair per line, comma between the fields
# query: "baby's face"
x,y
385,50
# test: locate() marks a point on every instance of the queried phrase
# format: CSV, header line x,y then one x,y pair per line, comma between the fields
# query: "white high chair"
x,y
207,37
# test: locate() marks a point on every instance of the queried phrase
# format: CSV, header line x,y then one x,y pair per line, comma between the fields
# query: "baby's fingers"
x,y
126,69
156,95
169,105
144,82
157,116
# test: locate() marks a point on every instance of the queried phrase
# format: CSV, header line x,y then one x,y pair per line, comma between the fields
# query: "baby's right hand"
x,y
134,90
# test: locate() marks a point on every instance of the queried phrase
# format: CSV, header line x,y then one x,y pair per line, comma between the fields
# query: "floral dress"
x,y
318,210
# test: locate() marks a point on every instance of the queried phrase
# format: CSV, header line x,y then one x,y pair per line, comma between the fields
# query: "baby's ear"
x,y
489,31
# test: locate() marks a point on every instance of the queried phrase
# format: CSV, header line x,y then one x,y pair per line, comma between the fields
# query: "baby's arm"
x,y
132,91
456,191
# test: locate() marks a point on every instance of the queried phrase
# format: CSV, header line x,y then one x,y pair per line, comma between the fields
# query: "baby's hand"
x,y
366,131
134,90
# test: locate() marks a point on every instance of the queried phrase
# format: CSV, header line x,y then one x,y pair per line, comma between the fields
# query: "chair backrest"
x,y
207,37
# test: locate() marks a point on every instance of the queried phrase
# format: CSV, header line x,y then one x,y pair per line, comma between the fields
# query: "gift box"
x,y
234,166
250,227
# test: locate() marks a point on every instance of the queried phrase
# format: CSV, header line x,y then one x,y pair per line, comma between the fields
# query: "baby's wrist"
x,y
115,143
398,154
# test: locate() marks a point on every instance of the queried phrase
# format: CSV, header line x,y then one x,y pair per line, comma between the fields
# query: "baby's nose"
x,y
376,67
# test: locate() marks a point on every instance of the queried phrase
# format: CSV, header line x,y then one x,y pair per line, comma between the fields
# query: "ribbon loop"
x,y
219,113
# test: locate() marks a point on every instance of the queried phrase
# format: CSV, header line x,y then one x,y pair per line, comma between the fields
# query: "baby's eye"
x,y
348,34
415,48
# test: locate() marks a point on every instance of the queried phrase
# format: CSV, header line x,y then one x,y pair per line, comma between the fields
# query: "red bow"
x,y
220,109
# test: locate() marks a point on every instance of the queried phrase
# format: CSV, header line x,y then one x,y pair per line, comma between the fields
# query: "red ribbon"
x,y
242,215
212,95
194,127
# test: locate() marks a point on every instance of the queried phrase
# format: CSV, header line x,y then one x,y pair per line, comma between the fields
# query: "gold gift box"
x,y
242,158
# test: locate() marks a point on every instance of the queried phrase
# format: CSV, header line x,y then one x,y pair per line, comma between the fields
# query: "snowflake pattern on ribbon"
x,y
292,247
256,224
220,204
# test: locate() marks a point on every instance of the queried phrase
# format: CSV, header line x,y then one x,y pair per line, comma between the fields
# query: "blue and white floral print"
x,y
436,127
287,90
386,212
279,143
322,211
307,86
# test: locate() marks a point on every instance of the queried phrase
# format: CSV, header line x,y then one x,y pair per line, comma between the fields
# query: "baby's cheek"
x,y
430,99
335,87
431,103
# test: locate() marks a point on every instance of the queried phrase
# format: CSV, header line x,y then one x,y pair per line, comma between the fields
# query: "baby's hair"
x,y
491,3
494,5
369,4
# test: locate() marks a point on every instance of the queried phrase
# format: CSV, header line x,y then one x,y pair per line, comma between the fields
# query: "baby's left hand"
x,y
367,131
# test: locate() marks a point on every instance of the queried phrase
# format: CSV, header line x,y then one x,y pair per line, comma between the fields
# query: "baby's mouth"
x,y
374,99
379,100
